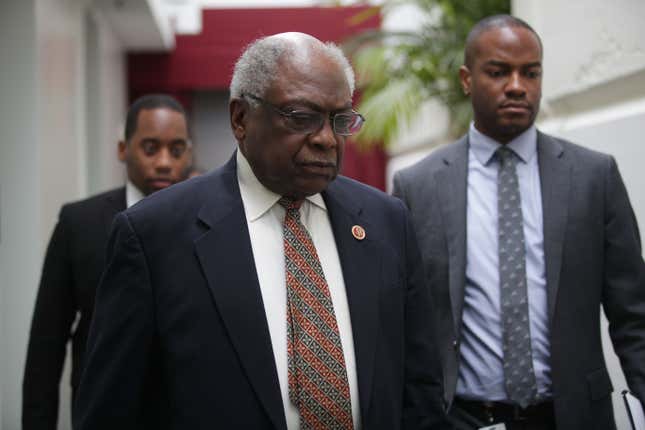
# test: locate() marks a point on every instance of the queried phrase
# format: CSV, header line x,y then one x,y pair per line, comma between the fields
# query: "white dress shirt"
x,y
265,217
132,194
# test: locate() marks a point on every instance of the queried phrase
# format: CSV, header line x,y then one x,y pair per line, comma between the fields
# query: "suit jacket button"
x,y
455,343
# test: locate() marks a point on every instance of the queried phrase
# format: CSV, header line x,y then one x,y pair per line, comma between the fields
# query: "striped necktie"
x,y
318,384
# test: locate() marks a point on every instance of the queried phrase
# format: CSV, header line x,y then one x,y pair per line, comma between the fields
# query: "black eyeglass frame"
x,y
291,115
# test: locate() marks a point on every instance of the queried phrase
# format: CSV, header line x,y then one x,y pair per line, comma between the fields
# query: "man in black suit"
x,y
157,152
270,293
523,237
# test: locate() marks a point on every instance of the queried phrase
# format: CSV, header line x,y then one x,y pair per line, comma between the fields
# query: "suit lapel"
x,y
359,260
555,174
114,203
226,257
451,186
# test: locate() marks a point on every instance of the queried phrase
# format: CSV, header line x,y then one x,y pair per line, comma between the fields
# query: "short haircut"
x,y
489,23
147,102
257,66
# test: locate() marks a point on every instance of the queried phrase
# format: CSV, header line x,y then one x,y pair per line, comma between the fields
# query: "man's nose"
x,y
515,85
325,137
164,160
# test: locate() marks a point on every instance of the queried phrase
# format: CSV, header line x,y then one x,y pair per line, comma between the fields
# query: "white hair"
x,y
256,68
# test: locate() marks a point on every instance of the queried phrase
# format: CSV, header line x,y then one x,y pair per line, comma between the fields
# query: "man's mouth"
x,y
515,107
159,183
318,167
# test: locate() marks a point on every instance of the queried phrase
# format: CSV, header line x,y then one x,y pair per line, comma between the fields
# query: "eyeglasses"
x,y
306,122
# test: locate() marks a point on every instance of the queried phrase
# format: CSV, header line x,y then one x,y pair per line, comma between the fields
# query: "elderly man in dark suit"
x,y
270,293
523,237
156,151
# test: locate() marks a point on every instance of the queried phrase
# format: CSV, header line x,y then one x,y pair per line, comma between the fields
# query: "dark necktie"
x,y
318,384
518,364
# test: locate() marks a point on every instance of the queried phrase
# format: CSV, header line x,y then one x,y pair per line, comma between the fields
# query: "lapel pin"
x,y
358,232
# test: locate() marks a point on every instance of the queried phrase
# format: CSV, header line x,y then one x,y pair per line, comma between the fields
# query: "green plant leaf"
x,y
398,71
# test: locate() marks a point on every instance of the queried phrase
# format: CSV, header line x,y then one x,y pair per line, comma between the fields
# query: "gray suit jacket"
x,y
593,256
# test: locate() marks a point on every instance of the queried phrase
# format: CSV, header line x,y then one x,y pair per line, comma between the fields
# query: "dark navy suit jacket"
x,y
180,338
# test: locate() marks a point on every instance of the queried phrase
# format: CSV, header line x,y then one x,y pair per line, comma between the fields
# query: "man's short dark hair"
x,y
149,101
488,23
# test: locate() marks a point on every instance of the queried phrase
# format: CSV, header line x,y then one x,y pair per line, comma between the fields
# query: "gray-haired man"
x,y
270,293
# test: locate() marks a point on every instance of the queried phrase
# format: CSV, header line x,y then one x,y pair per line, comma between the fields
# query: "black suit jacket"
x,y
73,265
592,255
180,339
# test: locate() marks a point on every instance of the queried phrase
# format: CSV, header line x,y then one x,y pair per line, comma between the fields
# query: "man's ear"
x,y
464,78
122,150
239,110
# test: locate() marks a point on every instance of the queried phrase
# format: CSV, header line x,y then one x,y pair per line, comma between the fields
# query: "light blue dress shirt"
x,y
481,372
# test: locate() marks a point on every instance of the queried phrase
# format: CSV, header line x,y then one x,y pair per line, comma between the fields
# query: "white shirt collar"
x,y
257,198
132,194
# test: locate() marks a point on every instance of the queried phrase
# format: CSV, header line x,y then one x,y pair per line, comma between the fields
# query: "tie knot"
x,y
290,204
504,154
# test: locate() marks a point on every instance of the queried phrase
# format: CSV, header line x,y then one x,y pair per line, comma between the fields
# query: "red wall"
x,y
205,61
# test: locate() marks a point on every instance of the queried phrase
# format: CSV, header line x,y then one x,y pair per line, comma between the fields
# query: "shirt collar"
x,y
257,198
484,147
132,194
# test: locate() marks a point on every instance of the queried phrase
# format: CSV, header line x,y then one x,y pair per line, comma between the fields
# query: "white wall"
x,y
62,139
40,161
106,103
589,42
61,106
20,249
51,154
211,129
417,139
594,79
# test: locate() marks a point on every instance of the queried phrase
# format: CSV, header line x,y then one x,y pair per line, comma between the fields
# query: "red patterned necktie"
x,y
318,384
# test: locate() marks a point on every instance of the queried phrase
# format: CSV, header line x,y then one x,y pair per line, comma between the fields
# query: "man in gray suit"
x,y
524,236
